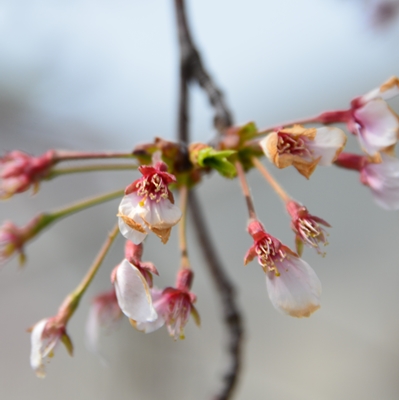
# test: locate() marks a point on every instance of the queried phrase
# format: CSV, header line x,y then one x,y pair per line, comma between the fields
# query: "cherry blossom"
x,y
148,205
370,118
174,306
293,287
306,227
303,148
45,337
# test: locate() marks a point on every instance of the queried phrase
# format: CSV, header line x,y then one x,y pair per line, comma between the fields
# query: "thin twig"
x,y
245,189
226,291
193,70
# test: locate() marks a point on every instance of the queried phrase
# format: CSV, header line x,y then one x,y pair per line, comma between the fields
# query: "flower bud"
x,y
19,171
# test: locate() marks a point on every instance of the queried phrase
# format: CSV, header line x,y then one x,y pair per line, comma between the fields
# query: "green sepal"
x,y
247,132
67,342
217,160
299,245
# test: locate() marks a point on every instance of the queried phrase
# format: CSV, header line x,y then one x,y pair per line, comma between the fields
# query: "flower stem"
x,y
329,117
43,220
89,168
71,302
63,155
272,182
245,190
185,263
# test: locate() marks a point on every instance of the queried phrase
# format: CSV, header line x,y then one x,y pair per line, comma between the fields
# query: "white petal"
x,y
132,234
379,126
37,346
148,327
297,290
93,328
133,293
160,215
327,144
383,180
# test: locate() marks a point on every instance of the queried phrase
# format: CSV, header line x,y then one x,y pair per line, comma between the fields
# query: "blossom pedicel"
x,y
293,287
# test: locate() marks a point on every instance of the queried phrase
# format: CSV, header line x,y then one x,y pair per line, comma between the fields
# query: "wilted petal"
x,y
296,290
131,225
133,293
386,91
327,144
377,125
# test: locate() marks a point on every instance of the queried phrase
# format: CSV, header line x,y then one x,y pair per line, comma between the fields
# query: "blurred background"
x,y
101,74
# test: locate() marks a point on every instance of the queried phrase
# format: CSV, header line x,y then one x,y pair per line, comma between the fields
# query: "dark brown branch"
x,y
225,289
192,69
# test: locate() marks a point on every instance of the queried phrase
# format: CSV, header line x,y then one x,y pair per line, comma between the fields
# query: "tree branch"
x,y
231,313
192,69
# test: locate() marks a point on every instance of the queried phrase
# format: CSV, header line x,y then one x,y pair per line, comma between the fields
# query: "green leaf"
x,y
217,160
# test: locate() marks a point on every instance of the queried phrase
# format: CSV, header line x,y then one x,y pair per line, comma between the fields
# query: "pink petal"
x,y
383,180
379,126
297,290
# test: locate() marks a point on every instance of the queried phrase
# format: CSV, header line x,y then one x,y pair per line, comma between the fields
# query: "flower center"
x,y
267,255
152,187
288,144
311,232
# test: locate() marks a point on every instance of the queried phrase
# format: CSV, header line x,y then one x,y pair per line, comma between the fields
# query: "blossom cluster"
x,y
147,206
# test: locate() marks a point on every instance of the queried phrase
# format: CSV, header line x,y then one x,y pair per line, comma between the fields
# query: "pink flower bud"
x,y
292,285
19,171
148,205
45,337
